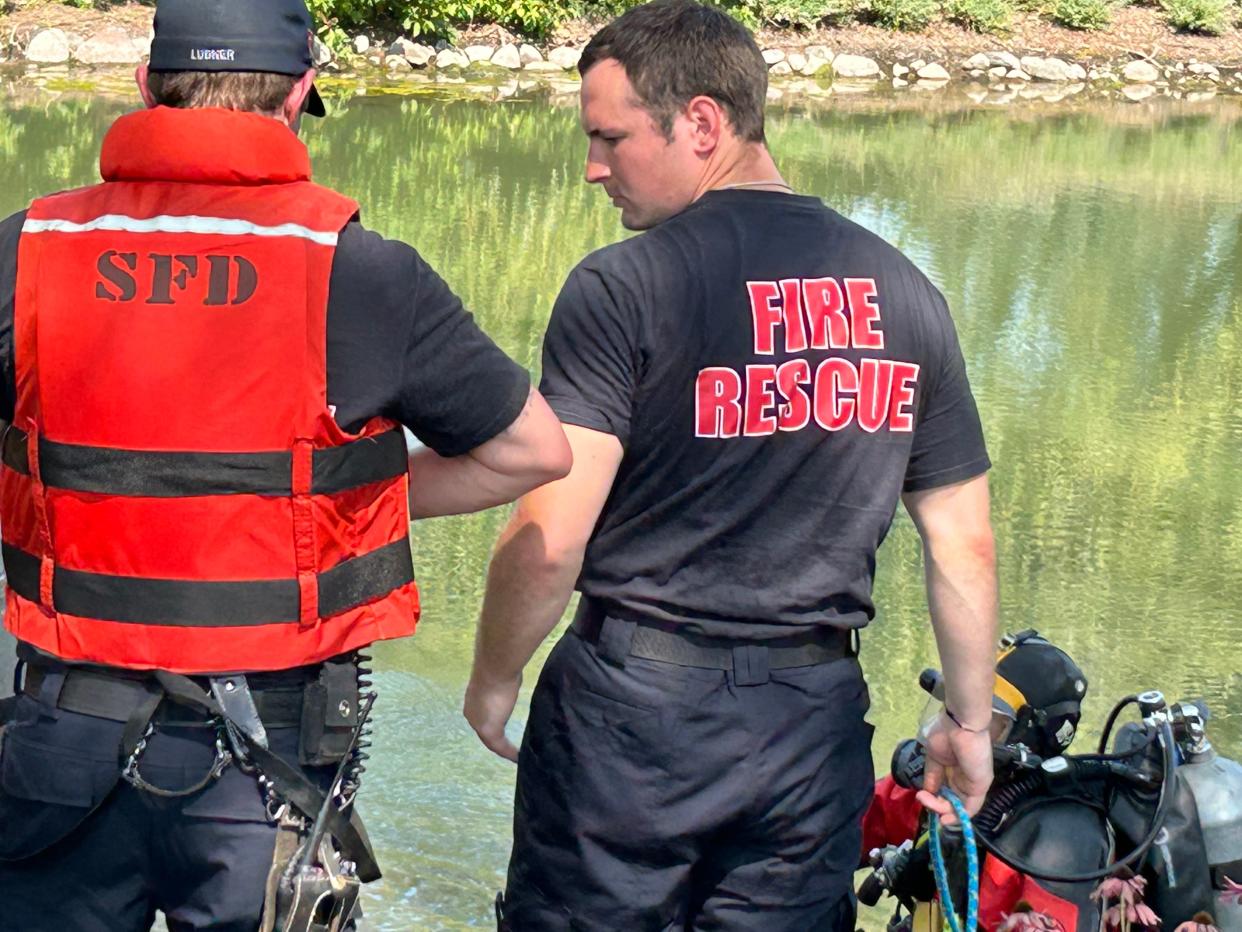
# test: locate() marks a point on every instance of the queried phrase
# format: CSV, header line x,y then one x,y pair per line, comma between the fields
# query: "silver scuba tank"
x,y
1216,783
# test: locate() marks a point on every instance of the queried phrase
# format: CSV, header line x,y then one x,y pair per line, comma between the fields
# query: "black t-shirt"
x,y
400,345
778,376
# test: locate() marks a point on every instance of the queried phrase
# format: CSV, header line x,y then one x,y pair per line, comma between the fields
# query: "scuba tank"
x,y
1216,783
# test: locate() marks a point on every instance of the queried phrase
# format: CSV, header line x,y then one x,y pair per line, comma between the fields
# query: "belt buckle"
x,y
750,665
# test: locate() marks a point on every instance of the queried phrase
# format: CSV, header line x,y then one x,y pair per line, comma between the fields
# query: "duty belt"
x,y
113,696
750,661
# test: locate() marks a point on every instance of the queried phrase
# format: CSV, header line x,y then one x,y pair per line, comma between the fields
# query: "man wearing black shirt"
x,y
749,387
85,844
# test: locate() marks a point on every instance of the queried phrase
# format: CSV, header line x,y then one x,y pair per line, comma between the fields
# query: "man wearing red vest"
x,y
205,364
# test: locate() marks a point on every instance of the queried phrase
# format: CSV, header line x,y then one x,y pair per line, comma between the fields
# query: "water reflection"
x,y
1091,258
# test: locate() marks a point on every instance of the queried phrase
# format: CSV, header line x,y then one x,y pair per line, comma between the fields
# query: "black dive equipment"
x,y
1163,796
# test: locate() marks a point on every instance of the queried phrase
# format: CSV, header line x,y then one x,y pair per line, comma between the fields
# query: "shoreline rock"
x,y
791,65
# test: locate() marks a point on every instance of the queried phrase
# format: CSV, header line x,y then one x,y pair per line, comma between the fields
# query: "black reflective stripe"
x,y
360,463
209,604
150,474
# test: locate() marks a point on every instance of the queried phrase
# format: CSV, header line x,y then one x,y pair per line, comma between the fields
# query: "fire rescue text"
x,y
809,314
229,279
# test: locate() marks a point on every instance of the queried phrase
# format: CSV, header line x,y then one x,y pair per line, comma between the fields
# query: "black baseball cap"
x,y
235,35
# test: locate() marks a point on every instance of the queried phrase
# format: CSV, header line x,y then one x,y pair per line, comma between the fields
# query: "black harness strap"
x,y
289,782
209,603
175,474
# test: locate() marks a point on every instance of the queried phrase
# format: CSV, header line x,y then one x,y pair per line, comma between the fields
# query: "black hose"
x,y
1163,803
1112,720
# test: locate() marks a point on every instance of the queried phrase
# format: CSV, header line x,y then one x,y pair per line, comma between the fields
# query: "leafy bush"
x,y
907,15
1211,17
980,15
1083,14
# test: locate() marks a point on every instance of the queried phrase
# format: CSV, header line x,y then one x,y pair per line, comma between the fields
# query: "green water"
x,y
1092,258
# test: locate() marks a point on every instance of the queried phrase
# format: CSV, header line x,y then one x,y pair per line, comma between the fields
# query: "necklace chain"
x,y
756,184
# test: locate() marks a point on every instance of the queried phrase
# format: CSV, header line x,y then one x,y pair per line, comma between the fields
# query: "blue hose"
x,y
942,872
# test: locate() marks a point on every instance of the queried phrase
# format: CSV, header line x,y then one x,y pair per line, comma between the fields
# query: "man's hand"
x,y
959,758
488,707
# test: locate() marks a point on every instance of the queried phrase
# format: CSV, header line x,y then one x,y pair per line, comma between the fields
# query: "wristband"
x,y
958,722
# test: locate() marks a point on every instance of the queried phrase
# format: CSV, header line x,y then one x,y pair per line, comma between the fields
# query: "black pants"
x,y
202,860
659,797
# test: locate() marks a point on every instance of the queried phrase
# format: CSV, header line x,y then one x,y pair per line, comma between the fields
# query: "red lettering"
x,y
864,314
874,390
759,399
833,378
717,407
766,317
795,326
790,377
905,377
825,307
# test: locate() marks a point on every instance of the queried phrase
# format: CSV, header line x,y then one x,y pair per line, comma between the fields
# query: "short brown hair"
x,y
254,91
675,50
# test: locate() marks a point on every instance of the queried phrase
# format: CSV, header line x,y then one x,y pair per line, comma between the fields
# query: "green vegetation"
x,y
1083,14
1211,17
537,19
906,15
980,15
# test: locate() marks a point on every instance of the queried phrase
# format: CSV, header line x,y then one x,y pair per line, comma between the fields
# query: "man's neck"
x,y
750,166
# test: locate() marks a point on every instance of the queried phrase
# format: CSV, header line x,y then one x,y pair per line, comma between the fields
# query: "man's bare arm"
x,y
529,452
531,578
959,558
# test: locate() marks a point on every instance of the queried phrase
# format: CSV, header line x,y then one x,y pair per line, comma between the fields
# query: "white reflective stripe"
x,y
167,224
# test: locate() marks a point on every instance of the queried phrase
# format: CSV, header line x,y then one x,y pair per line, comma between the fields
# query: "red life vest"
x,y
175,492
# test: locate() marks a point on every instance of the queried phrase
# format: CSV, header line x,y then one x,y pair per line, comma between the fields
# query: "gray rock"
x,y
900,82
565,57
815,64
529,53
478,53
1196,97
797,62
977,73
451,58
397,63
1137,92
1140,72
48,47
997,73
1203,70
543,67
1017,74
508,56
320,53
773,56
855,66
900,71
419,55
781,68
916,65
818,51
978,62
1008,59
933,72
362,45
110,46
977,96
1050,69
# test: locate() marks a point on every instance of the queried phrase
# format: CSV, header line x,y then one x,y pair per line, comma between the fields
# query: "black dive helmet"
x,y
1040,689
1037,701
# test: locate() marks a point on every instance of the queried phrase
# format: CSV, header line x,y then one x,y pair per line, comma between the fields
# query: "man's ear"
x,y
708,122
144,87
292,109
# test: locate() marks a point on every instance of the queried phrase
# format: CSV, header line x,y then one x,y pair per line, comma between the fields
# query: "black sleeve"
x,y
401,344
948,438
589,354
10,232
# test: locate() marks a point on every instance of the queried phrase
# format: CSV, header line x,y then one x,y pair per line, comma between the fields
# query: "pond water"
x,y
1092,258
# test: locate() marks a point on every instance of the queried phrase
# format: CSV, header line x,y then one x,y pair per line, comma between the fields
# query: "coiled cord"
x,y
367,694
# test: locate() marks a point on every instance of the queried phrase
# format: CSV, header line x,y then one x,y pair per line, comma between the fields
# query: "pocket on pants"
x,y
45,792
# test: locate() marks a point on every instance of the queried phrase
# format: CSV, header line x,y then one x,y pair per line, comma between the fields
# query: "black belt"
x,y
750,661
114,696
